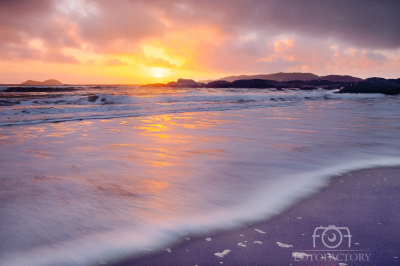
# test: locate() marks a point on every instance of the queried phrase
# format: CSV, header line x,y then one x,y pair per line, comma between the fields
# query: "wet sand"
x,y
366,202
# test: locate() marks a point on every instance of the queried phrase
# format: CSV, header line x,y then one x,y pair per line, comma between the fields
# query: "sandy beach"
x,y
365,202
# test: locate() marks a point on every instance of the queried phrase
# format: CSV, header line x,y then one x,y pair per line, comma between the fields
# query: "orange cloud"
x,y
87,41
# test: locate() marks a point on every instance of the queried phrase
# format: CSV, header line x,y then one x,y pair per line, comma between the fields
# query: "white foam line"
x,y
128,242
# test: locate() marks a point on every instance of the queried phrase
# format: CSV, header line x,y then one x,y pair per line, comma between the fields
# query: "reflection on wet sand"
x,y
151,159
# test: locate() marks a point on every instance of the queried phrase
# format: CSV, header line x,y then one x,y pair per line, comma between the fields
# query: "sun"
x,y
159,72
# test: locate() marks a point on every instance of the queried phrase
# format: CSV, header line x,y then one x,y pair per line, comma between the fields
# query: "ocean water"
x,y
101,173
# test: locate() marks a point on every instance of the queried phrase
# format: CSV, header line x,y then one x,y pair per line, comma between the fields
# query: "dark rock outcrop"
x,y
184,83
180,83
374,85
219,84
8,102
253,83
92,98
155,85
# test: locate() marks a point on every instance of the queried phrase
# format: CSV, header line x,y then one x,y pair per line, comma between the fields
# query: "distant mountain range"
x,y
49,82
283,77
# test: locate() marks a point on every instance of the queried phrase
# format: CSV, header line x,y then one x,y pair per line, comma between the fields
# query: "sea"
x,y
102,173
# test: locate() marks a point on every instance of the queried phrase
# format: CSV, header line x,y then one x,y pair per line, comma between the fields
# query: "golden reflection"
x,y
153,157
59,130
157,184
37,129
154,127
4,136
190,126
85,122
180,138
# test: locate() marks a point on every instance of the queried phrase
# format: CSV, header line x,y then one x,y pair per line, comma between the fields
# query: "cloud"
x,y
58,57
278,64
363,23
159,62
224,36
114,62
375,56
114,23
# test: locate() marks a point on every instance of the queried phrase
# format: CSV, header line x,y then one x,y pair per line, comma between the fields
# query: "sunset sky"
x,y
146,41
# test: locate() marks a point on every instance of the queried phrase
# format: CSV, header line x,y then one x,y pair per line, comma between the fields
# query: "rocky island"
x,y
50,85
49,82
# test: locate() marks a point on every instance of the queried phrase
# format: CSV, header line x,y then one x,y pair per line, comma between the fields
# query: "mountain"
x,y
49,82
276,76
340,78
282,77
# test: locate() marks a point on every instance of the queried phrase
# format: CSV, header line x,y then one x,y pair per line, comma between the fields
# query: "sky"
x,y
150,41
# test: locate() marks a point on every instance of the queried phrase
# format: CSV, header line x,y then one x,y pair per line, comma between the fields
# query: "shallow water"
x,y
171,162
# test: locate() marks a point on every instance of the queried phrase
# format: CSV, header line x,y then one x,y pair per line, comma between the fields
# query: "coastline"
x,y
366,202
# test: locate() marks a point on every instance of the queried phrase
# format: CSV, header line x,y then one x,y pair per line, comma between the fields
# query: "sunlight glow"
x,y
159,72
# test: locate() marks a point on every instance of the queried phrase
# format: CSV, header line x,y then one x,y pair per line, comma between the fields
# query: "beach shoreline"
x,y
365,202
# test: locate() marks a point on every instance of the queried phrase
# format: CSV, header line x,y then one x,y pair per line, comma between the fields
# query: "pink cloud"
x,y
256,36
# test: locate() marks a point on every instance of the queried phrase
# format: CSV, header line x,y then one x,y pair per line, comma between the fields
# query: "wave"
x,y
130,242
111,103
